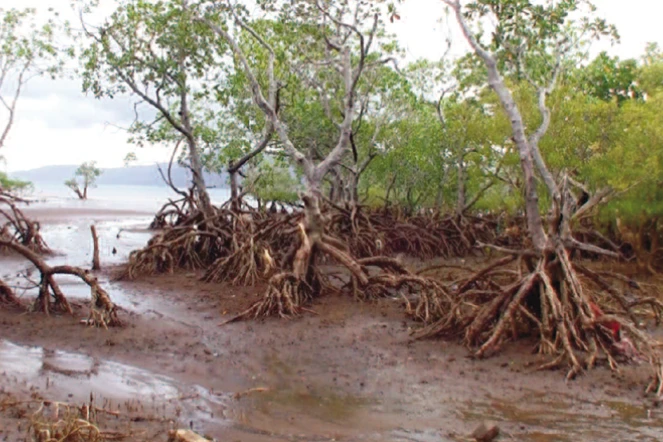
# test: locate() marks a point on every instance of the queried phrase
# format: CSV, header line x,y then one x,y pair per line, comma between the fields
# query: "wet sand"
x,y
350,372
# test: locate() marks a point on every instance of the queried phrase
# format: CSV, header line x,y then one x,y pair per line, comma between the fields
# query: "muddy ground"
x,y
349,373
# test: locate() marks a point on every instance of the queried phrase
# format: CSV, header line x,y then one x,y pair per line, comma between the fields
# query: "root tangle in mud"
x,y
552,300
15,226
51,298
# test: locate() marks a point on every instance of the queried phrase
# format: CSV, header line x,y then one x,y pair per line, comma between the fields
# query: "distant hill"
x,y
132,175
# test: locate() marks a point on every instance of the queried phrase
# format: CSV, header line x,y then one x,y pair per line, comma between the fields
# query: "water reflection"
x,y
542,417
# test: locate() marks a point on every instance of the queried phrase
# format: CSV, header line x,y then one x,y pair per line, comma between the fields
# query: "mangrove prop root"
x,y
15,226
426,235
229,246
285,298
251,258
102,310
493,306
7,296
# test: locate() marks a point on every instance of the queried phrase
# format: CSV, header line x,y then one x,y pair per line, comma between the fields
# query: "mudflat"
x,y
350,371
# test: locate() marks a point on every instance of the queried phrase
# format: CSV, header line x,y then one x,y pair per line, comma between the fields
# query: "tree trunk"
x,y
534,221
234,190
95,245
353,188
460,202
390,187
80,194
202,196
314,229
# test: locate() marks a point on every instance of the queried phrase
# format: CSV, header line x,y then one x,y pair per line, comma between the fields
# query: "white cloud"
x,y
34,144
57,124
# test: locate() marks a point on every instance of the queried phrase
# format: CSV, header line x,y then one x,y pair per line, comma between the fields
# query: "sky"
x,y
56,124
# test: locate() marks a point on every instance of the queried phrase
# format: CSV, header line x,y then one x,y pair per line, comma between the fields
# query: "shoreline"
x,y
63,215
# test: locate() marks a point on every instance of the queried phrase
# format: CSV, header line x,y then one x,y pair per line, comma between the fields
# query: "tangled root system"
x,y
552,300
15,226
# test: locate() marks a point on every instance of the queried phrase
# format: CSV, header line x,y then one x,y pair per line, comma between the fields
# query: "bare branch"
x,y
258,96
534,221
168,177
595,200
11,107
485,188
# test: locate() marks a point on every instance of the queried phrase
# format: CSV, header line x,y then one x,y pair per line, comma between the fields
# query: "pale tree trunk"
x,y
235,166
235,203
96,265
525,150
195,163
312,228
461,198
199,180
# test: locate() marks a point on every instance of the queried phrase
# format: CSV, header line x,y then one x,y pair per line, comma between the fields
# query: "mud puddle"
x,y
283,411
78,378
547,417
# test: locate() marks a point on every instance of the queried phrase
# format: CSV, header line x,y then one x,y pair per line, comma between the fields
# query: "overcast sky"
x,y
57,124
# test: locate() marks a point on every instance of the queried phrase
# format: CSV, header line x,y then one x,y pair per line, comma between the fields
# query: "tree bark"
x,y
195,162
460,202
234,190
95,244
534,220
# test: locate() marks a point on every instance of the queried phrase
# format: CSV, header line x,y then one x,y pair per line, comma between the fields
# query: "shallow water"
x,y
78,377
290,409
563,417
72,245
117,197
81,375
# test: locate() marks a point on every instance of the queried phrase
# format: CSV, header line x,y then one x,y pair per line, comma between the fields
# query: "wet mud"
x,y
351,372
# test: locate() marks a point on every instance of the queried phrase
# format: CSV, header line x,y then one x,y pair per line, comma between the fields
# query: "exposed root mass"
x,y
285,298
15,226
51,298
502,302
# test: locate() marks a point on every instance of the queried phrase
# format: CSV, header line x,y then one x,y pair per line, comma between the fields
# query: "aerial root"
x,y
243,267
485,311
194,243
229,246
51,298
285,298
251,259
8,297
17,227
426,235
425,299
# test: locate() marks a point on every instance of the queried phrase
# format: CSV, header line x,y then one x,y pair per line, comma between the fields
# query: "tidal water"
x,y
115,197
